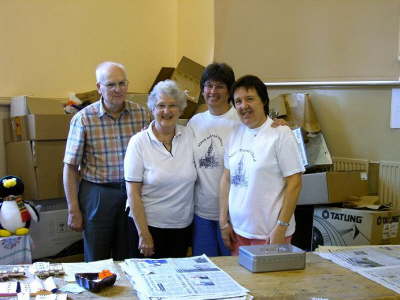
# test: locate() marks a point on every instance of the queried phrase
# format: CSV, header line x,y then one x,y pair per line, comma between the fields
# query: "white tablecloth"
x,y
15,250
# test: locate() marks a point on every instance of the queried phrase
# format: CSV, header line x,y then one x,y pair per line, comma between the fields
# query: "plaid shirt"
x,y
97,142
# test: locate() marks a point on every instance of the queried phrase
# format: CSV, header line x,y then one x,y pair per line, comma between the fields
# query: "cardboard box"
x,y
40,127
331,187
24,105
139,98
90,96
345,226
7,135
40,165
164,74
38,119
51,234
188,74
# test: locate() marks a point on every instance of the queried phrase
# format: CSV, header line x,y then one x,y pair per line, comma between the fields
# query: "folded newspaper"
x,y
378,263
194,277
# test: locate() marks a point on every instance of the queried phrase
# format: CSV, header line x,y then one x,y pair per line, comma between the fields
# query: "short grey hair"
x,y
102,68
167,88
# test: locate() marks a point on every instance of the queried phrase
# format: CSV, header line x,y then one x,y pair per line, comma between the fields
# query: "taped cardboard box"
x,y
39,164
332,187
38,119
52,230
24,105
345,226
40,127
7,135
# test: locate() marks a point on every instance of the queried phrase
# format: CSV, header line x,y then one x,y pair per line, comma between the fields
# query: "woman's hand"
x,y
278,235
279,122
146,244
228,236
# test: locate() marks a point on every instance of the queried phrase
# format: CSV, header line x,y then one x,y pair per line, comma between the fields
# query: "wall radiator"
x,y
341,164
389,183
389,176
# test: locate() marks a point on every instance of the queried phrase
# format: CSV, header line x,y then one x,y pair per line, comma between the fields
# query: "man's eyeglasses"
x,y
113,85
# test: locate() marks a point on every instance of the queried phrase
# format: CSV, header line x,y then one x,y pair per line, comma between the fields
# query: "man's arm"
x,y
291,194
225,226
71,179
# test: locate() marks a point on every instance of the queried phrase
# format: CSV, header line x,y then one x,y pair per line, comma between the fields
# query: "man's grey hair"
x,y
102,68
167,88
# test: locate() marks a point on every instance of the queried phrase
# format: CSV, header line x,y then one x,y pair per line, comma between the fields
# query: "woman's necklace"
x,y
165,139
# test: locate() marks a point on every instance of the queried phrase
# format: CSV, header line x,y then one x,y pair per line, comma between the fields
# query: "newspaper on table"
x,y
378,263
194,277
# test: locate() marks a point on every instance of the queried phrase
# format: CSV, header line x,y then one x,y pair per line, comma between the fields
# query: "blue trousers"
x,y
207,238
105,220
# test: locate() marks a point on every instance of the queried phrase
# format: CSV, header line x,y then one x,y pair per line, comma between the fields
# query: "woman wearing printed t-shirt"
x,y
160,176
262,176
211,130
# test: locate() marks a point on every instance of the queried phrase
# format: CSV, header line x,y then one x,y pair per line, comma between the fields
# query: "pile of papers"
x,y
181,278
378,263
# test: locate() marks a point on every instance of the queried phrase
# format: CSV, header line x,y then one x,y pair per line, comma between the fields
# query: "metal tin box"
x,y
267,258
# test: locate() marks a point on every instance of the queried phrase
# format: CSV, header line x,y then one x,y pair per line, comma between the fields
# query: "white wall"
x,y
50,48
309,40
196,30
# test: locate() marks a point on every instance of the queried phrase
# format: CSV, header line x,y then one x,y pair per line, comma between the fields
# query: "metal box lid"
x,y
267,250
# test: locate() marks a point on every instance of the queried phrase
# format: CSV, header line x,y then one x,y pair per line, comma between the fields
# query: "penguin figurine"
x,y
15,213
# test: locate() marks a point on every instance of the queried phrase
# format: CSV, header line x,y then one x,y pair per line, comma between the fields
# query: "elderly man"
x,y
96,145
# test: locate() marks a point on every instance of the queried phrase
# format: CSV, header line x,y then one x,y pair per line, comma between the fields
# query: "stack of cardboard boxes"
x,y
322,221
35,137
35,145
320,217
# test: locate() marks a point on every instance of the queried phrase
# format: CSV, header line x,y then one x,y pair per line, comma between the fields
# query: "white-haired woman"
x,y
160,176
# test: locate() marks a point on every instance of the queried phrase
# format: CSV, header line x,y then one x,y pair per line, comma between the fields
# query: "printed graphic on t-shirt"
x,y
210,159
239,175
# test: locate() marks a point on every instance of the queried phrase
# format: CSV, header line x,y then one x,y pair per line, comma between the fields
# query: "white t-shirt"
x,y
168,178
210,135
258,160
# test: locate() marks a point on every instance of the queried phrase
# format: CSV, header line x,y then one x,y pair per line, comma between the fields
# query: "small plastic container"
x,y
91,282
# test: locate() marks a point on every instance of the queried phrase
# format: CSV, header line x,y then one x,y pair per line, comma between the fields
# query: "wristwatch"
x,y
279,222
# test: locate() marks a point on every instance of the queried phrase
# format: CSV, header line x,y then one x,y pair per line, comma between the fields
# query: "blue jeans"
x,y
207,238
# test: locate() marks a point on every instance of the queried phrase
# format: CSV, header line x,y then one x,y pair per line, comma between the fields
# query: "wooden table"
x,y
322,280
